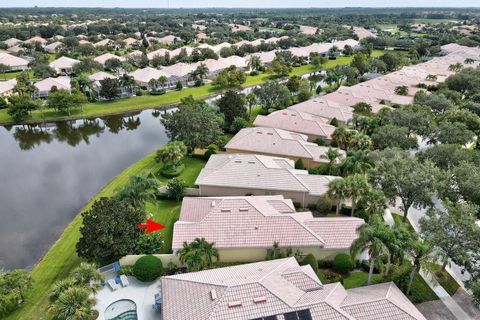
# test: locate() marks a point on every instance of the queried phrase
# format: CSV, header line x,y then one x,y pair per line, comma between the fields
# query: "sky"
x,y
239,3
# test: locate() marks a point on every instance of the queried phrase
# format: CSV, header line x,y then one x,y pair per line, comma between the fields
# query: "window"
x,y
298,315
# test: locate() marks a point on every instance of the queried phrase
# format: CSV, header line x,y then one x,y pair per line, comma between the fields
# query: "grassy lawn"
x,y
446,280
62,258
170,98
12,75
189,175
359,279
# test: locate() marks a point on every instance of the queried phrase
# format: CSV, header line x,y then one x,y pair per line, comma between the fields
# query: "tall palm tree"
x,y
421,254
337,191
61,286
82,83
374,203
371,238
357,161
340,137
332,155
127,81
201,72
172,153
73,304
254,63
137,191
153,83
357,187
208,251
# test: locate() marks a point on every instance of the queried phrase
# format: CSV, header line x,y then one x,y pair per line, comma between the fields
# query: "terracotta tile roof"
x,y
297,121
273,141
253,222
275,287
258,172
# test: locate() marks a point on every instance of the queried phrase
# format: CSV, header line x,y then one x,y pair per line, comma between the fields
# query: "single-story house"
x,y
201,36
107,56
238,27
17,49
53,47
13,62
83,42
308,30
12,42
313,126
6,87
63,65
36,40
131,42
279,143
168,39
143,77
101,75
324,108
277,290
104,43
158,53
250,174
180,71
45,86
245,228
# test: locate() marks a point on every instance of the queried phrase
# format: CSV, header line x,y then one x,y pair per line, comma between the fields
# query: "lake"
x,y
49,172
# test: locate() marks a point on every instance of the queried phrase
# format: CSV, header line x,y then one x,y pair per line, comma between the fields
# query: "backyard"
x,y
62,258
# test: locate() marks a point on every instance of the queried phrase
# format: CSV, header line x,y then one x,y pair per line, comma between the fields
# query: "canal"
x,y
49,172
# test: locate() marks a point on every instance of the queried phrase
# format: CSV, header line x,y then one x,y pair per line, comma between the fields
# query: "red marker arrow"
x,y
151,226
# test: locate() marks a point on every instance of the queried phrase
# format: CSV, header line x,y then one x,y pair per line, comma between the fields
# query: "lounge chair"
x,y
124,280
112,284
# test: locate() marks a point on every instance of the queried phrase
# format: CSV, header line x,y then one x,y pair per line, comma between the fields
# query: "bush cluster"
x,y
148,268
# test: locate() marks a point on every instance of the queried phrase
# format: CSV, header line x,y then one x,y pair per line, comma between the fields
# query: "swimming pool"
x,y
121,310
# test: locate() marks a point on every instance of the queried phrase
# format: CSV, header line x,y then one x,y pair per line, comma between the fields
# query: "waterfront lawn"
x,y
189,174
61,258
172,97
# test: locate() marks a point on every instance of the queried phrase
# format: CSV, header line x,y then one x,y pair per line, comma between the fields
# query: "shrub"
x,y
151,243
175,189
325,264
312,261
140,93
179,85
147,268
157,92
334,122
238,124
211,149
169,173
299,164
320,142
328,276
318,90
254,73
343,263
324,204
126,270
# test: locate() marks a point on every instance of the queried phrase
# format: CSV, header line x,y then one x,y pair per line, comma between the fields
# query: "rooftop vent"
x,y
270,134
213,204
243,209
251,162
225,210
213,294
233,304
260,299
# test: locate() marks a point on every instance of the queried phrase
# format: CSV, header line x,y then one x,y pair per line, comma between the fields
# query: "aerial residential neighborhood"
x,y
247,161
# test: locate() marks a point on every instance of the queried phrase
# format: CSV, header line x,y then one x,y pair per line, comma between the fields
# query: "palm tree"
x,y
86,274
455,67
421,254
61,286
153,83
83,83
127,81
171,154
137,191
332,155
337,191
432,77
254,63
357,161
251,101
371,238
358,141
201,72
3,69
340,137
73,304
374,203
357,187
198,254
469,61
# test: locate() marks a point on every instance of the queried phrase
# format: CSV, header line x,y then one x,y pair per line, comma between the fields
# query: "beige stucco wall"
x,y
211,191
308,163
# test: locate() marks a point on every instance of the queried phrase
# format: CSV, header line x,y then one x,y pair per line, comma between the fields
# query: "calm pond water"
x,y
48,173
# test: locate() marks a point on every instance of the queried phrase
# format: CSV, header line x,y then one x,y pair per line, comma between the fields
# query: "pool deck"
x,y
142,293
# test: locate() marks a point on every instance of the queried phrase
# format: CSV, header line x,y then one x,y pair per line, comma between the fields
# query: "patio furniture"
x,y
124,280
116,266
112,284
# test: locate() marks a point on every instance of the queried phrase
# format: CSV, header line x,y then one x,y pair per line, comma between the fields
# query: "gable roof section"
x,y
63,63
279,142
257,172
146,74
12,61
323,107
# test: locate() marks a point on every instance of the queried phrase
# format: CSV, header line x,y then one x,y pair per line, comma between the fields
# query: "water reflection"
x,y
49,171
